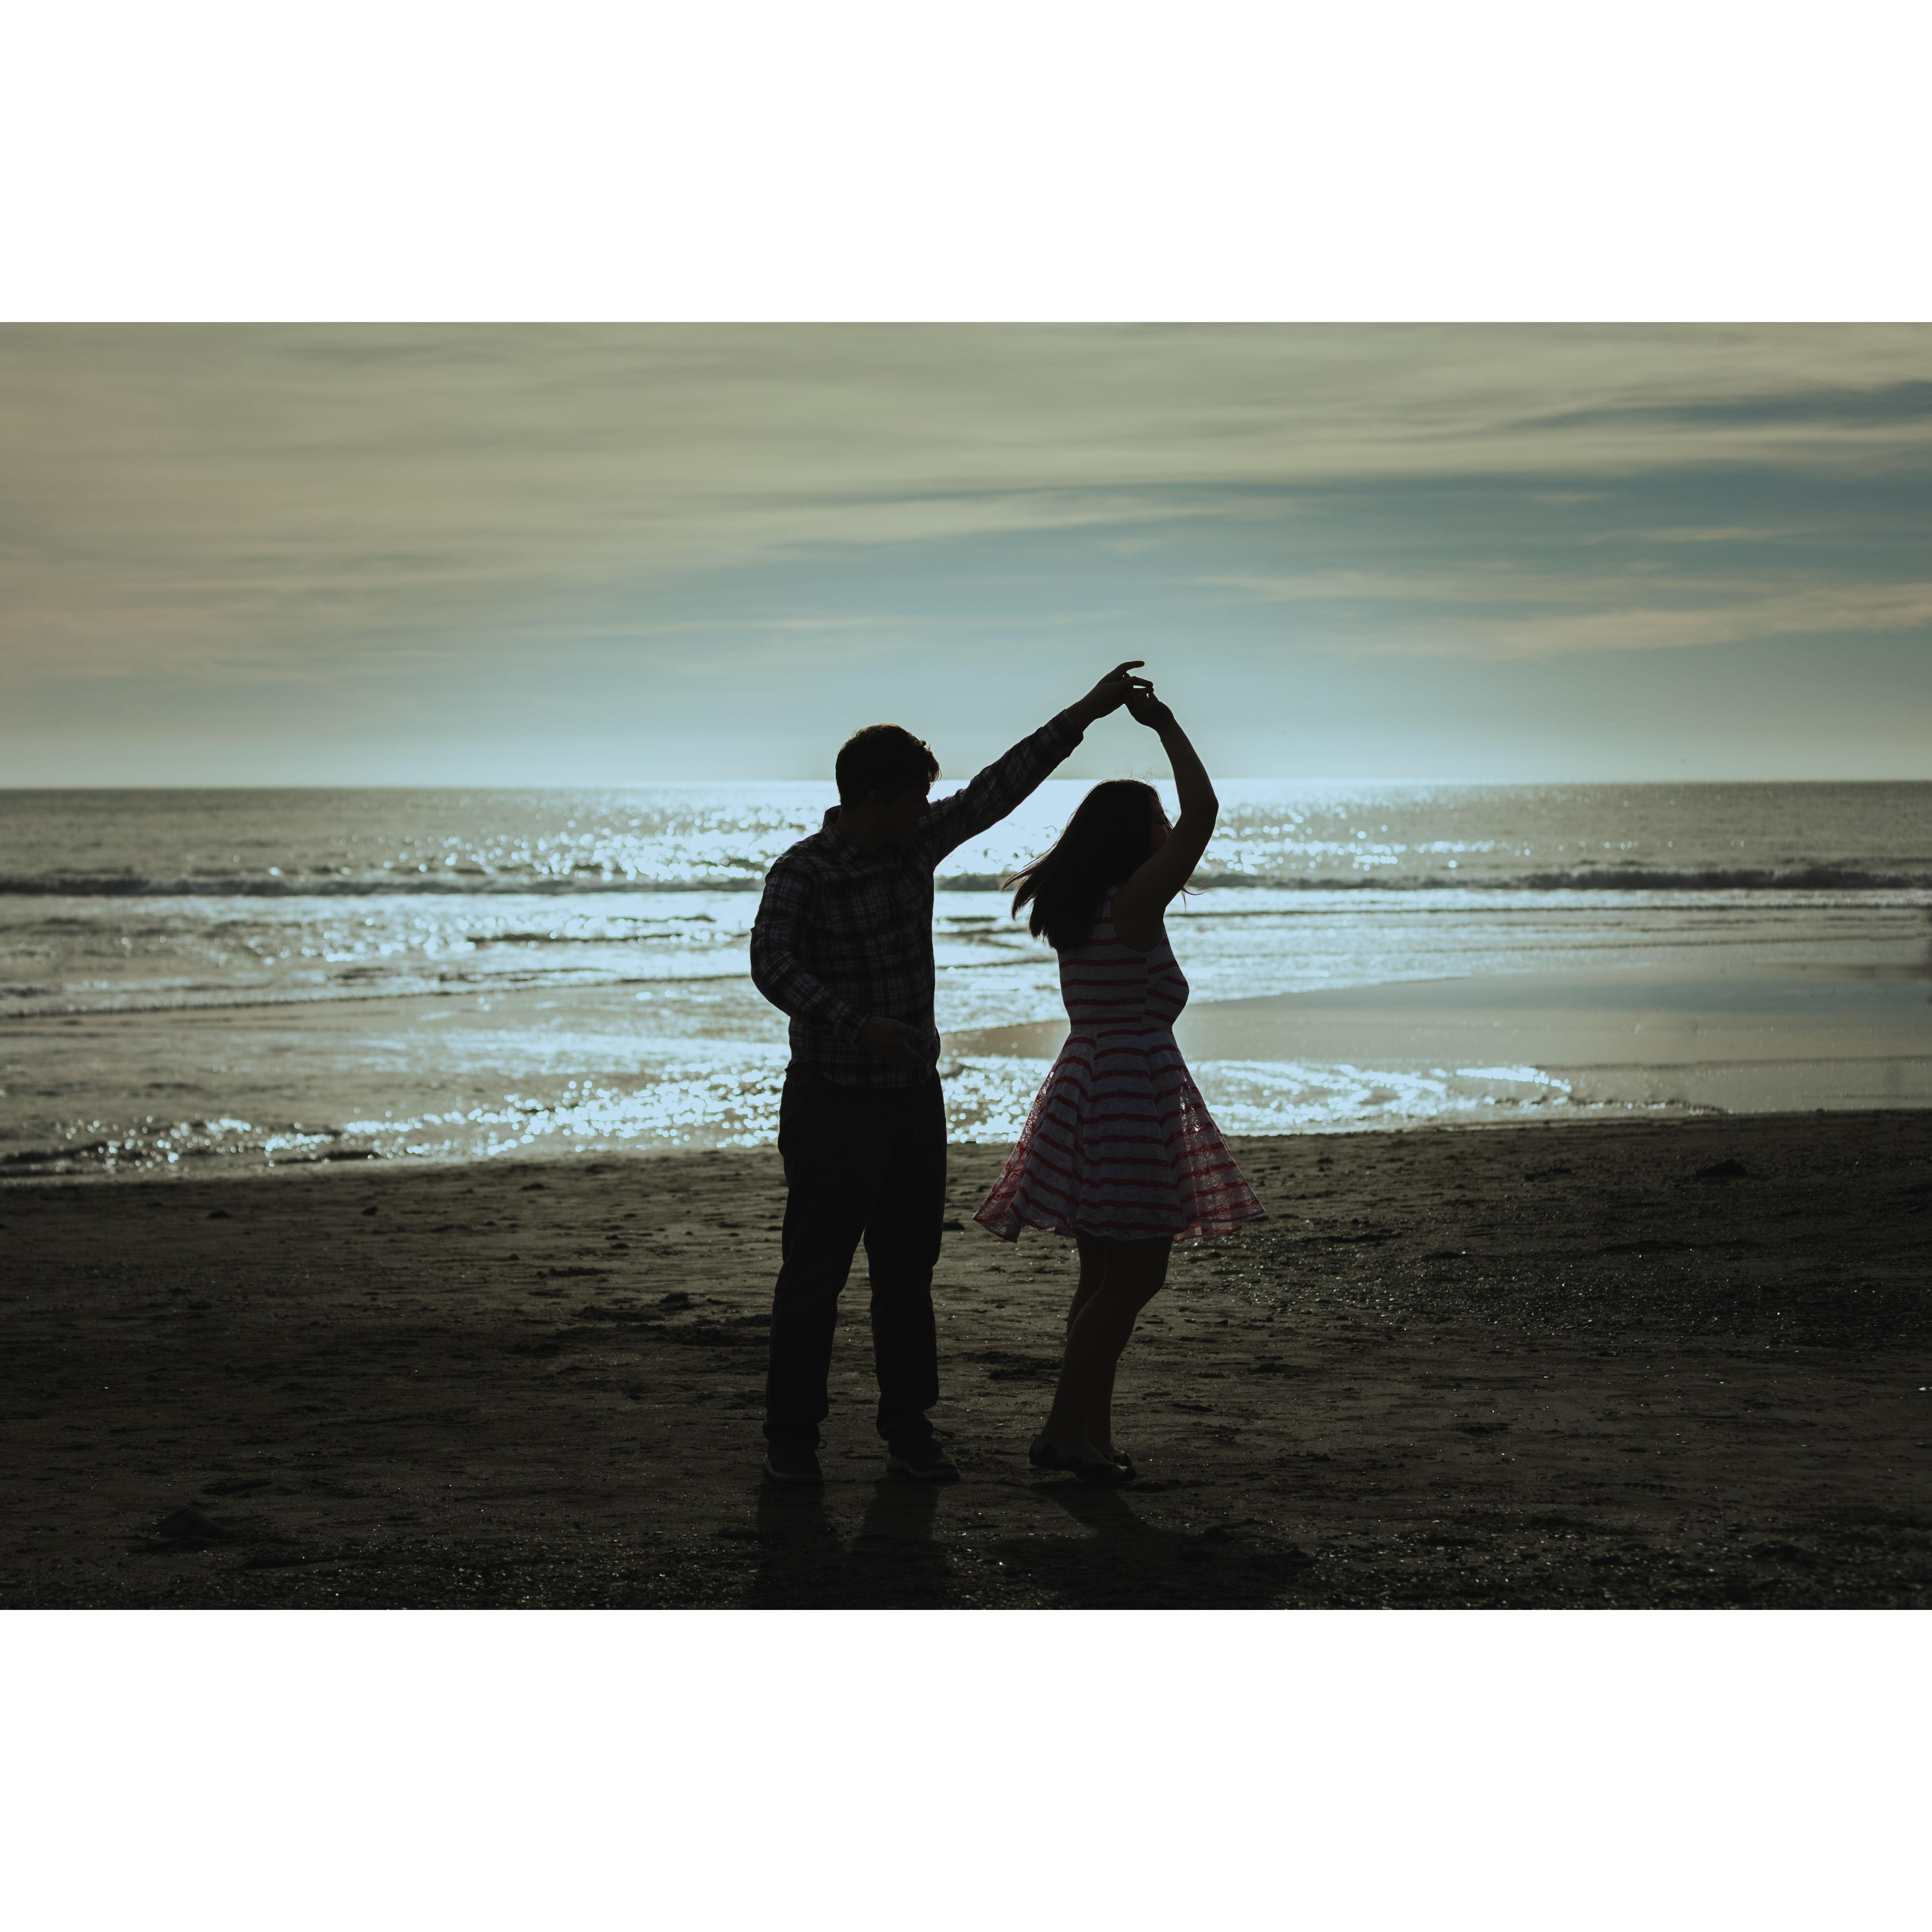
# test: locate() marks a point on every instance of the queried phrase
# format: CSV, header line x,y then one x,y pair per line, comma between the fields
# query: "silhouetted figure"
x,y
843,942
1119,1151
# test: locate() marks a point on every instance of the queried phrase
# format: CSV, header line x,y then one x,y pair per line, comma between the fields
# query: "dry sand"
x,y
1521,1366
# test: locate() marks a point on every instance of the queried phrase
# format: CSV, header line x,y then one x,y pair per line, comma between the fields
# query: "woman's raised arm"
x,y
1139,903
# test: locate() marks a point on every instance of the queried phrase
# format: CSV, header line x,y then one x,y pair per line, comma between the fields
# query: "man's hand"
x,y
893,1041
1110,693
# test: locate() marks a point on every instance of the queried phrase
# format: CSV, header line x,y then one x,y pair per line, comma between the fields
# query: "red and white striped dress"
x,y
1119,1142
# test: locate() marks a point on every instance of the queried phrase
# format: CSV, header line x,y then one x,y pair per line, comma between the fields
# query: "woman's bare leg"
x,y
1103,1318
1093,1272
1098,1421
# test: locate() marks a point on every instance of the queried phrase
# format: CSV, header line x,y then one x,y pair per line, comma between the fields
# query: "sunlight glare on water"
x,y
242,976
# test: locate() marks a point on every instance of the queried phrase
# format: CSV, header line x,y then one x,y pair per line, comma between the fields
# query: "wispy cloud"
x,y
348,509
1641,627
1902,408
164,488
1478,612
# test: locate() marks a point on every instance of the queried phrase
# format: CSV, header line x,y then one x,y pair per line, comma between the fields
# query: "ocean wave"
x,y
1588,879
1800,879
1583,878
81,885
404,986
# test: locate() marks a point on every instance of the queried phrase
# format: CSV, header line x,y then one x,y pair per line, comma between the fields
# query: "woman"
x,y
1119,1151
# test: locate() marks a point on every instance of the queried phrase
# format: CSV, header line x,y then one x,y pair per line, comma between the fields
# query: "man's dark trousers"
x,y
860,1163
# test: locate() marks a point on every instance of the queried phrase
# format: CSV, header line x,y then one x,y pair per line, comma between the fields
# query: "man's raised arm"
x,y
1012,776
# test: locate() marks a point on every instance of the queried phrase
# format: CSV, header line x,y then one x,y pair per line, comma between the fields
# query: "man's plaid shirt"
x,y
844,936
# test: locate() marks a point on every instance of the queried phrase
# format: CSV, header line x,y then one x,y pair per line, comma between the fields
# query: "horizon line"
x,y
623,784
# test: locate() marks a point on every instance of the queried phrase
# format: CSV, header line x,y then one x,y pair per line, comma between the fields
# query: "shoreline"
x,y
199,1171
585,1034
1503,1364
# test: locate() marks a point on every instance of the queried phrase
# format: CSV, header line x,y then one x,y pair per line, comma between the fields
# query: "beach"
x,y
1615,1362
227,980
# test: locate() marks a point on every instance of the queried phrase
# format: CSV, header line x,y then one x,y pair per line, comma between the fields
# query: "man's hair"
x,y
884,758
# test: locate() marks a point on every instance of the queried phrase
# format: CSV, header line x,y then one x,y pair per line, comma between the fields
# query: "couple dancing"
x,y
1118,1151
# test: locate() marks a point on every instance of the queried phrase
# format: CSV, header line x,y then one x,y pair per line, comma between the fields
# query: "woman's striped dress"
x,y
1119,1142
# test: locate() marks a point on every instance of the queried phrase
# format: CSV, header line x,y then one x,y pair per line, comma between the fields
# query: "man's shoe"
x,y
792,1462
925,1461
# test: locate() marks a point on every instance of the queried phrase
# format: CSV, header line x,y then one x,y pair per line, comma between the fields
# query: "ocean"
x,y
246,978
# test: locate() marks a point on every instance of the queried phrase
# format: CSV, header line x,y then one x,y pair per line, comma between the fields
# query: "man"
x,y
843,942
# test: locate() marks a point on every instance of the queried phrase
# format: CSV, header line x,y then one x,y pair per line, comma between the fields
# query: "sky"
x,y
501,554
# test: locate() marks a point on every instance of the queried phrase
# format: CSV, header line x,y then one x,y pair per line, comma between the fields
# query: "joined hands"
x,y
1114,690
1144,708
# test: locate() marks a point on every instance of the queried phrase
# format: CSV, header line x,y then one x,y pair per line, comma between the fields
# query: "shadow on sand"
x,y
1123,1562
892,1563
1107,1558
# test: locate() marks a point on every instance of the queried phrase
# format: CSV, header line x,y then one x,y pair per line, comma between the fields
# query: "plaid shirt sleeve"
x,y
784,915
1001,786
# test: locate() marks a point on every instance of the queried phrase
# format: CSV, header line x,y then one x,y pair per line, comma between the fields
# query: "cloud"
x,y
1466,612
1903,406
212,501
1729,533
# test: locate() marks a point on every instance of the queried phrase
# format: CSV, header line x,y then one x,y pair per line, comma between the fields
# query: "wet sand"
x,y
1534,1366
1736,1037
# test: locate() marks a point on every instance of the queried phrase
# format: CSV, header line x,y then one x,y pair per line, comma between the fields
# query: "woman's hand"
x,y
1144,708
1110,693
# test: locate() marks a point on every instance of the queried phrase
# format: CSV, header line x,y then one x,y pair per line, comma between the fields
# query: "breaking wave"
x,y
1813,878
67,885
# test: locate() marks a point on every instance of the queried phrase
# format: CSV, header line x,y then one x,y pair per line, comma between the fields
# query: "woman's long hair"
x,y
1107,838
